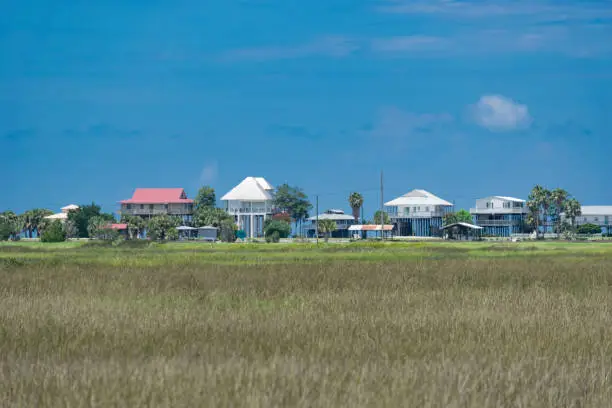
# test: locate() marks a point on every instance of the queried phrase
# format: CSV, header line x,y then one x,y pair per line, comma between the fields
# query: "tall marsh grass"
x,y
441,329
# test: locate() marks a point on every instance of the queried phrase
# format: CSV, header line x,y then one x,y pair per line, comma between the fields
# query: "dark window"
x,y
129,206
151,206
142,206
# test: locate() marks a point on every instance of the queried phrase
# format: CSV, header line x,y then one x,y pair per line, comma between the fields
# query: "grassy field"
x,y
359,325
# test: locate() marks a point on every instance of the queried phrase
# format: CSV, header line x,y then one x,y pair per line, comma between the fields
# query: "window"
x,y
596,219
151,206
426,209
166,206
129,206
142,206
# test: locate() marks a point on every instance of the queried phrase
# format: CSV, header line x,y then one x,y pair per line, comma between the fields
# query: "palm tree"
x,y
326,227
539,204
136,226
37,220
355,201
14,221
572,210
558,198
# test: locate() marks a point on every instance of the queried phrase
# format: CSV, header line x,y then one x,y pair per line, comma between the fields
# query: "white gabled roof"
x,y
596,209
505,198
264,183
69,207
463,224
250,189
418,197
335,217
58,216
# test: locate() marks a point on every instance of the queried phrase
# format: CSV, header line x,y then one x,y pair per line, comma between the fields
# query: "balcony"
x,y
418,214
498,223
155,211
515,210
249,210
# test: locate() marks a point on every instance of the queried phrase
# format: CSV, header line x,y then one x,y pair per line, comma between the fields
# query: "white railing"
x,y
516,210
249,210
155,211
418,214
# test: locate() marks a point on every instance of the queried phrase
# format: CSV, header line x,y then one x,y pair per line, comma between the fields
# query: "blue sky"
x,y
462,98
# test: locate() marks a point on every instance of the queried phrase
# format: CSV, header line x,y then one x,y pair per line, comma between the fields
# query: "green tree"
x,y
6,230
135,225
99,227
54,232
276,229
33,220
11,225
572,210
377,218
538,203
355,201
589,229
81,216
459,216
163,227
293,201
558,198
205,198
216,217
326,227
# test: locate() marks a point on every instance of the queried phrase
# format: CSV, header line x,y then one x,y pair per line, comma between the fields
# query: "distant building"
x,y
250,202
418,213
63,214
596,214
149,202
500,216
343,222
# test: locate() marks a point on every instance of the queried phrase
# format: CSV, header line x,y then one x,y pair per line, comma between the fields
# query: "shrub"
x,y
273,237
54,233
282,228
5,231
589,229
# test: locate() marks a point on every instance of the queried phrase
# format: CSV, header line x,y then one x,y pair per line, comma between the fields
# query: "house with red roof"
x,y
148,202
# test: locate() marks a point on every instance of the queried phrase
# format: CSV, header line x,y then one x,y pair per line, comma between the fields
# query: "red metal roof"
x,y
158,196
118,226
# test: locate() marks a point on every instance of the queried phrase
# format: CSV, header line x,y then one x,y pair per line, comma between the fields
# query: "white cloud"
x,y
498,113
545,10
209,173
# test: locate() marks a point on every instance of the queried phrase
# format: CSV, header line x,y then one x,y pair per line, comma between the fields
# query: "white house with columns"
x,y
250,202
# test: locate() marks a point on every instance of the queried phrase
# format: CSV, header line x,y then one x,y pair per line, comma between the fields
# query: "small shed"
x,y
186,232
208,233
360,231
462,231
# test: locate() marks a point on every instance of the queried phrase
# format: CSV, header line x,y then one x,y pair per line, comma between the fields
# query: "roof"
x,y
505,198
250,189
208,227
118,226
58,216
69,207
462,224
185,228
418,197
596,209
158,196
336,215
370,227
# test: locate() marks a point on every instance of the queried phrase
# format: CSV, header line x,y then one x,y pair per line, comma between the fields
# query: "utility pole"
x,y
317,217
382,214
